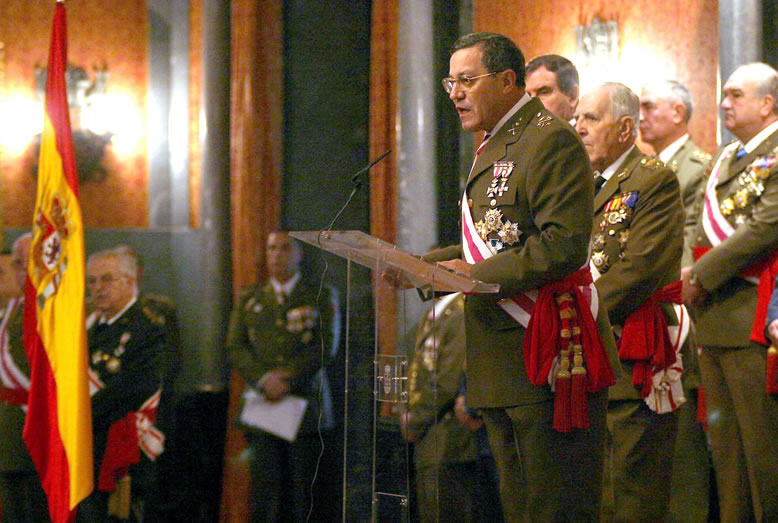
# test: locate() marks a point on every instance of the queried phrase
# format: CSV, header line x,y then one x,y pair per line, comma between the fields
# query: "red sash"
x,y
562,331
645,339
127,437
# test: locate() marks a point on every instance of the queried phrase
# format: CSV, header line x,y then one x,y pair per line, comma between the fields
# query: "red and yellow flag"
x,y
58,430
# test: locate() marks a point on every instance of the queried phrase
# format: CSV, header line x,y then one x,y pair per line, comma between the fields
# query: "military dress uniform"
x,y
21,496
690,487
527,191
689,164
264,335
445,453
636,246
127,356
745,426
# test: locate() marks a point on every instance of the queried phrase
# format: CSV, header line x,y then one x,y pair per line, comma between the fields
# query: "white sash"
x,y
716,227
520,306
11,375
151,440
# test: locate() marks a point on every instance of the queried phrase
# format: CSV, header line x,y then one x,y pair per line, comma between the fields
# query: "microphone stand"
x,y
356,181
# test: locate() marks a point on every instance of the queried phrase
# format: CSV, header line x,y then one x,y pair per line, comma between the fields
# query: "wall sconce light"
x,y
597,51
89,119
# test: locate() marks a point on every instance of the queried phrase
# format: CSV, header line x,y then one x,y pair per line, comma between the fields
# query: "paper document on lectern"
x,y
281,418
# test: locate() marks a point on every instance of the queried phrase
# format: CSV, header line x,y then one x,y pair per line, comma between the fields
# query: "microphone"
x,y
356,181
357,178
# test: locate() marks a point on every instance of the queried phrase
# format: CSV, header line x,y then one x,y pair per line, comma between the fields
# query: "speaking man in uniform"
x,y
737,234
636,249
529,185
665,110
280,332
554,79
126,353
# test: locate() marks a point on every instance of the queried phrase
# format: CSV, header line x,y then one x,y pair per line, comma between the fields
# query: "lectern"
x,y
390,370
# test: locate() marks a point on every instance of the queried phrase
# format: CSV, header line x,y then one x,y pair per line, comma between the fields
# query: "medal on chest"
x,y
111,360
501,172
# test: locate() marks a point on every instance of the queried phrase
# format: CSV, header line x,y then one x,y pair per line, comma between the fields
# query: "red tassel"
x,y
702,410
580,414
772,371
562,395
562,420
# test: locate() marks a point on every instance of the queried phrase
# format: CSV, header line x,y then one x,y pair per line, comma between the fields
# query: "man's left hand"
x,y
772,331
693,294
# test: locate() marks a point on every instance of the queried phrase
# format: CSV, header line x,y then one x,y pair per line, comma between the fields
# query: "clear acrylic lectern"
x,y
390,370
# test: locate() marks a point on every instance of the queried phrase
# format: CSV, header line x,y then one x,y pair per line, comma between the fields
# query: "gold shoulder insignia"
x,y
543,120
155,318
652,163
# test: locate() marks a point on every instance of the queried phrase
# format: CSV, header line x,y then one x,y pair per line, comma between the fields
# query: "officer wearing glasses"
x,y
527,191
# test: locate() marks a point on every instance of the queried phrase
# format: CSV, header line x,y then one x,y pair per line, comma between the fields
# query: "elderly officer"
x,y
126,351
280,333
21,497
636,247
737,232
554,79
529,185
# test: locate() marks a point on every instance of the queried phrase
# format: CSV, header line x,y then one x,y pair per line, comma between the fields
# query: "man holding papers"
x,y
280,332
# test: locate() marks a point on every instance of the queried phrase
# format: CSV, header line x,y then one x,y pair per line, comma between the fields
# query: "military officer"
x,y
737,232
665,110
444,452
636,247
528,187
554,79
126,350
281,333
21,496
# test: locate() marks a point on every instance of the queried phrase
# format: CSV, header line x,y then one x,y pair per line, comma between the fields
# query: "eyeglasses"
x,y
105,279
465,82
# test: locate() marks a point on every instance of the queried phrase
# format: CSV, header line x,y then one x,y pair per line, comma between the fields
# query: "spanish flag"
x,y
58,430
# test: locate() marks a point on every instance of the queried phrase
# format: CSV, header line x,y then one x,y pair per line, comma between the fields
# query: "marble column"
x,y
740,40
417,205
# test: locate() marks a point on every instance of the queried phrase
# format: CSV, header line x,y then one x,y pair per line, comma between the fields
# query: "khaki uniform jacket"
x,y
436,371
726,317
265,335
549,189
636,243
14,456
689,165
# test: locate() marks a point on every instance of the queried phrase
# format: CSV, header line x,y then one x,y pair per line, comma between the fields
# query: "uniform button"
x,y
611,232
469,202
493,202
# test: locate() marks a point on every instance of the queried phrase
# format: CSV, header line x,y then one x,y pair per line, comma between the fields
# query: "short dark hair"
x,y
565,71
499,53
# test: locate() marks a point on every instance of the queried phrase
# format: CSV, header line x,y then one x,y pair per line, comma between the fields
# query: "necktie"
x,y
599,181
478,151
741,152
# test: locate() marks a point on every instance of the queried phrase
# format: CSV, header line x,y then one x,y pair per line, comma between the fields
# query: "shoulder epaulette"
x,y
652,163
543,119
155,318
702,155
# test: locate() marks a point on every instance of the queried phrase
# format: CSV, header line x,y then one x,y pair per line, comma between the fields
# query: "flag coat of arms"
x,y
58,428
